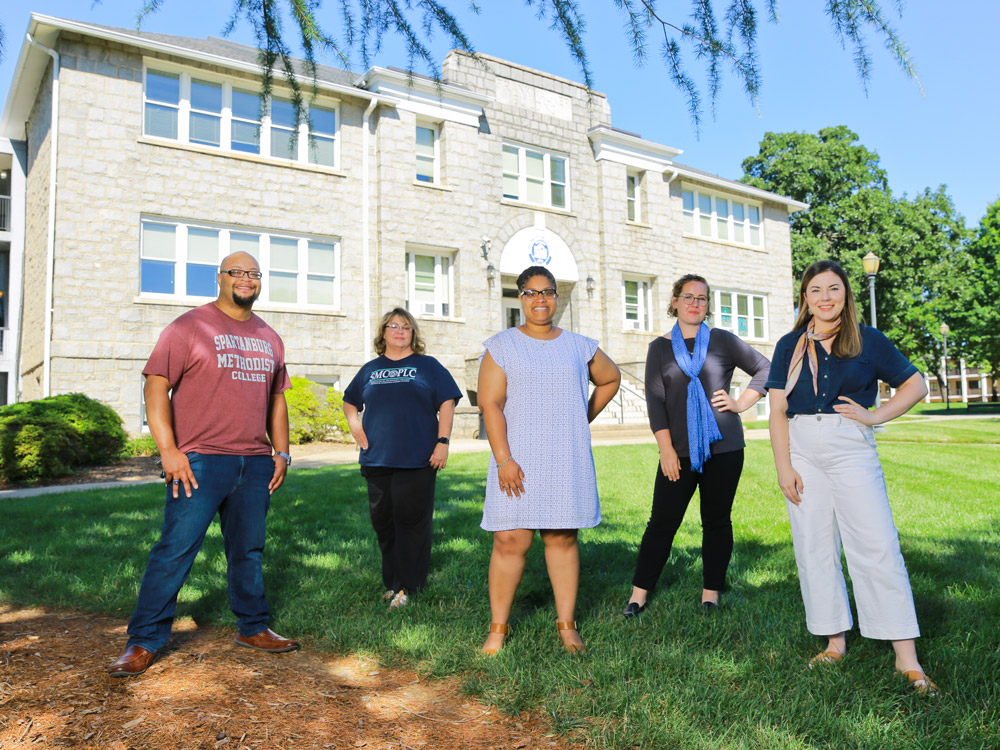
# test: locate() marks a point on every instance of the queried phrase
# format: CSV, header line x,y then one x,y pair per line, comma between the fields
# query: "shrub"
x,y
140,446
52,436
315,412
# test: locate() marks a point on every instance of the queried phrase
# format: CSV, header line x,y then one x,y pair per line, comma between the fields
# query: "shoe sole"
x,y
268,650
131,674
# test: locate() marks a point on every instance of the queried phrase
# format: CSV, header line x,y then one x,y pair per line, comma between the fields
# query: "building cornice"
x,y
436,100
631,150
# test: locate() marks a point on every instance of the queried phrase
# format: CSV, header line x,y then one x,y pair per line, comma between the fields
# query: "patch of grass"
x,y
977,431
673,678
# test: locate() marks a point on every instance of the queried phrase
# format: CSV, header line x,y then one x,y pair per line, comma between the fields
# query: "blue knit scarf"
x,y
702,428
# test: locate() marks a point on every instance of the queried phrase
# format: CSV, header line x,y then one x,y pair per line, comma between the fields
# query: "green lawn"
x,y
672,679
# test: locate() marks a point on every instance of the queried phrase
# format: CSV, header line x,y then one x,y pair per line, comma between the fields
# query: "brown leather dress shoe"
x,y
266,640
134,661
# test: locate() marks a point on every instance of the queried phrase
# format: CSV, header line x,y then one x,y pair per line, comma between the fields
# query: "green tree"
x,y
925,276
718,33
983,330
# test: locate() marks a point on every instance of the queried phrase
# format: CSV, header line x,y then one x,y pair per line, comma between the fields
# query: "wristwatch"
x,y
443,440
288,459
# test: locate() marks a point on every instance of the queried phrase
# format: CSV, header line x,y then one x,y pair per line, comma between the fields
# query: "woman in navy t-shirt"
x,y
408,401
829,470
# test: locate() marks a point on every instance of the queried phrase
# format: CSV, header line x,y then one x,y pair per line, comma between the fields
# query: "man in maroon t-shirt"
x,y
226,368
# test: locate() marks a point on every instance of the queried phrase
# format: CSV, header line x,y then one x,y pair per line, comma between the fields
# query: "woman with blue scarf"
x,y
700,437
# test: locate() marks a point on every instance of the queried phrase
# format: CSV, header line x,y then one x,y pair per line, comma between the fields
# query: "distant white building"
x,y
397,190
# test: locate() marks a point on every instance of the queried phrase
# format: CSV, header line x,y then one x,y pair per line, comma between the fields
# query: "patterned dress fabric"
x,y
548,433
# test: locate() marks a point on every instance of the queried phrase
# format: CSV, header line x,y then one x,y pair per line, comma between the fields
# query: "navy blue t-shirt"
x,y
399,401
855,378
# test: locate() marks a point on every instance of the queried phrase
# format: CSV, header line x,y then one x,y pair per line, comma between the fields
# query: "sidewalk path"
x,y
348,454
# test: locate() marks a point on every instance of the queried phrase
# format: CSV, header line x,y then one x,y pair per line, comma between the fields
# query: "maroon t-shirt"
x,y
223,373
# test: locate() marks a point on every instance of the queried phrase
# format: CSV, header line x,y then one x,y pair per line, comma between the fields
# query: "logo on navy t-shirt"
x,y
392,375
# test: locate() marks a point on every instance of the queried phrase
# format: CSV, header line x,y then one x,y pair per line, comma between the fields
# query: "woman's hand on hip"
x,y
722,401
358,433
439,458
670,464
511,479
854,410
791,484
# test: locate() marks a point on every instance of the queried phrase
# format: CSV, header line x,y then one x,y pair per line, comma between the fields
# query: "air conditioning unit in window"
x,y
429,308
635,325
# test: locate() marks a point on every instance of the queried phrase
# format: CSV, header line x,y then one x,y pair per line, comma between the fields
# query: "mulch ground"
x,y
206,692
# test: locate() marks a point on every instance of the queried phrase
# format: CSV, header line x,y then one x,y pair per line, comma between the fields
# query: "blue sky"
x,y
945,136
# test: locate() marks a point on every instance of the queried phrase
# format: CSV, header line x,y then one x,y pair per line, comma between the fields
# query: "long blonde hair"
x,y
416,343
847,344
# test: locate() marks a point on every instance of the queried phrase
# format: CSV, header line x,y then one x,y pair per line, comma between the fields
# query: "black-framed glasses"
x,y
532,293
239,273
689,298
398,327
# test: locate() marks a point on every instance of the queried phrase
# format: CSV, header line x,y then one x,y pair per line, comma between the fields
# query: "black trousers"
x,y
717,483
401,504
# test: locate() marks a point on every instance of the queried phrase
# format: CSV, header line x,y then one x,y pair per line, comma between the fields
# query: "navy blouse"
x,y
855,378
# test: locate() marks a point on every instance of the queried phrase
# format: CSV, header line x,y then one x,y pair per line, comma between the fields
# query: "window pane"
x,y
742,331
738,214
201,280
282,145
157,277
741,304
284,254
424,271
161,121
510,187
203,245
510,160
535,166
323,121
282,113
445,263
758,307
163,87
282,287
705,204
245,243
630,181
754,215
322,258
688,200
206,96
158,241
689,222
204,129
722,220
557,169
758,328
738,233
321,151
631,210
246,105
425,141
558,196
319,290
246,137
706,225
754,235
535,194
425,169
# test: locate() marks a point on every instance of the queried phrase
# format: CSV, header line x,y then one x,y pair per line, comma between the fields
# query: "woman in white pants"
x,y
829,470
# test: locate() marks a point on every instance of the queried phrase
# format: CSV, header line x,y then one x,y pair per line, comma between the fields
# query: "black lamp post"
x,y
947,390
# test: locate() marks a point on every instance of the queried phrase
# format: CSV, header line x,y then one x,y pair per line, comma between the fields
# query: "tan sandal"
x,y
913,676
571,648
826,657
496,627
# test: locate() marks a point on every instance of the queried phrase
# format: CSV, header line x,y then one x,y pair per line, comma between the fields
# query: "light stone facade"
x,y
111,176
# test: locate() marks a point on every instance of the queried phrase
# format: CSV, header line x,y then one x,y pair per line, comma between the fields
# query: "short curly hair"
x,y
416,343
531,271
679,287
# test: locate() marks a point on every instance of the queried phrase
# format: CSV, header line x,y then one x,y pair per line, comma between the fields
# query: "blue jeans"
x,y
235,487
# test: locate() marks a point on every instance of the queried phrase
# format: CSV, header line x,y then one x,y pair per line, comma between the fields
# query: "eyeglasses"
x,y
398,327
690,298
239,273
532,293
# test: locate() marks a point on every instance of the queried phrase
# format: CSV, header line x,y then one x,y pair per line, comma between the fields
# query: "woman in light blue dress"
x,y
533,392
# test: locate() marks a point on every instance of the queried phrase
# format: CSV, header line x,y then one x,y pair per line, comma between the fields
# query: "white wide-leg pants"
x,y
844,500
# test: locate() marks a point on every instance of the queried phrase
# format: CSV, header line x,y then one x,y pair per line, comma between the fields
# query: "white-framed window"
x,y
535,177
430,287
637,307
720,218
426,148
633,199
181,259
741,313
202,109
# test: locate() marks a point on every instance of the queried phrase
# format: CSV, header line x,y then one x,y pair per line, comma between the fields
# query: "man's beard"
x,y
245,301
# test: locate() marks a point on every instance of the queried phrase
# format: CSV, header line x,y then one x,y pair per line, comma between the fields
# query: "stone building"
x,y
394,190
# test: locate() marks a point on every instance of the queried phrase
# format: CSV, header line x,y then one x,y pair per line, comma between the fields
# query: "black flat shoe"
x,y
633,609
709,607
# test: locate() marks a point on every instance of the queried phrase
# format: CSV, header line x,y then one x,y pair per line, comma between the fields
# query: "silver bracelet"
x,y
503,462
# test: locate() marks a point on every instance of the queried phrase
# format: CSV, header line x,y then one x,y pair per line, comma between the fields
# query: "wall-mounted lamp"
x,y
491,273
590,286
3,174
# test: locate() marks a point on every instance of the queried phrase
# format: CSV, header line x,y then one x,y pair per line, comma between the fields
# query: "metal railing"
x,y
4,213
